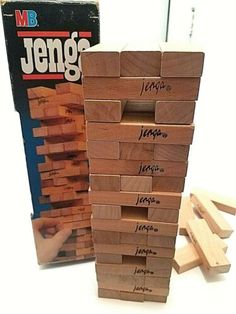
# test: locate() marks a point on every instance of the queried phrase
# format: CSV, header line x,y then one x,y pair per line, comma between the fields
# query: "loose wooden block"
x,y
107,237
210,213
104,110
135,184
101,60
158,200
108,258
163,215
211,253
99,182
40,92
185,214
140,129
138,168
134,250
153,88
106,211
181,60
171,152
170,184
174,112
135,226
66,88
223,203
187,257
136,151
140,60
102,149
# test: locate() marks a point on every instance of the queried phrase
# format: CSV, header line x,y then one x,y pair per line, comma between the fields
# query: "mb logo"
x,y
26,18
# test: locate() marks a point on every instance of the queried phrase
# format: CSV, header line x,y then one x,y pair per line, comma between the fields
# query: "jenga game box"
x,y
44,40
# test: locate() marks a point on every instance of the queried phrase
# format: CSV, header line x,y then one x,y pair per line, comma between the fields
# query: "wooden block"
x,y
85,251
223,203
187,257
168,242
171,152
157,282
170,184
185,214
40,92
106,211
104,182
174,112
108,258
211,253
108,293
155,298
181,60
66,88
153,88
130,296
160,266
107,237
131,238
102,149
101,60
141,129
135,184
68,100
138,168
68,172
135,226
163,215
136,151
140,60
134,250
80,186
210,213
104,110
158,200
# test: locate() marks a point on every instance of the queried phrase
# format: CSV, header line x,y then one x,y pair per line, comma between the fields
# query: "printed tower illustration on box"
x,y
64,174
139,106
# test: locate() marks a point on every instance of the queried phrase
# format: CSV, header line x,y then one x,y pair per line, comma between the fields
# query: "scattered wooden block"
x,y
223,203
153,88
140,60
210,213
101,60
102,149
138,168
136,226
135,184
140,129
171,152
187,257
106,211
163,215
181,60
104,110
174,112
185,214
210,252
158,200
105,182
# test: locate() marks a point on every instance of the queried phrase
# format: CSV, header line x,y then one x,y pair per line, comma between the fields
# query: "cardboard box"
x,y
44,40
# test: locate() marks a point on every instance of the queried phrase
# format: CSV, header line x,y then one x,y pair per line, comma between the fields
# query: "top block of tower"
x,y
143,60
181,60
102,60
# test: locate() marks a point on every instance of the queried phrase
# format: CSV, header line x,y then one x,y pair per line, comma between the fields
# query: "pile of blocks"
x,y
64,173
201,220
139,107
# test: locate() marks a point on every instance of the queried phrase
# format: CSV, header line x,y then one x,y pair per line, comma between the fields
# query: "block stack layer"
x,y
139,107
64,173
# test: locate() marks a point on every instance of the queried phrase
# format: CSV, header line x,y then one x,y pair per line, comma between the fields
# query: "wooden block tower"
x,y
64,174
139,106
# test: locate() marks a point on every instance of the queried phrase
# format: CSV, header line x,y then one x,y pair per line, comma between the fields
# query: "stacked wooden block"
x,y
64,174
139,107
